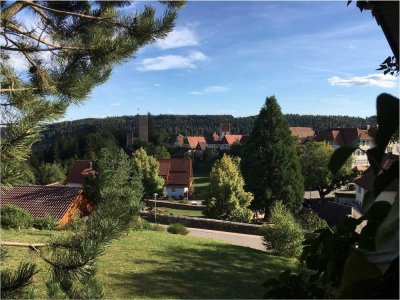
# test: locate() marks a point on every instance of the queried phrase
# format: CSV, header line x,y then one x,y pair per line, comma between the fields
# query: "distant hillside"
x,y
196,124
81,139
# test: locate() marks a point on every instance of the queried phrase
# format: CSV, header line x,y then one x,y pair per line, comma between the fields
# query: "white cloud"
x,y
211,90
156,84
180,37
216,89
115,104
168,62
380,80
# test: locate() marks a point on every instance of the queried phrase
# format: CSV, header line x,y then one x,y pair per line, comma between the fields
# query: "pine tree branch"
x,y
41,13
12,26
30,60
13,9
18,244
68,12
34,49
15,90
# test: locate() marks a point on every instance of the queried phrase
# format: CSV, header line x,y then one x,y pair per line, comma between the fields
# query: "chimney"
x,y
90,165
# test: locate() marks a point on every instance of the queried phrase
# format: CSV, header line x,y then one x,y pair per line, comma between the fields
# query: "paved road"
x,y
246,240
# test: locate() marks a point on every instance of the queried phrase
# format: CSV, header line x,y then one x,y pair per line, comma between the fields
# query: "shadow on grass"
x,y
215,271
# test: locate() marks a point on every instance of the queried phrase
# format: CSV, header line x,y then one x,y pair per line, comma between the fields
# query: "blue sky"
x,y
227,57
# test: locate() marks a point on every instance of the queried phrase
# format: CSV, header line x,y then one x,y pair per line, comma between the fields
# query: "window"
x,y
173,190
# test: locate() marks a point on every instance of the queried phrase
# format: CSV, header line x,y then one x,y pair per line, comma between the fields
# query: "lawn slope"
x,y
149,264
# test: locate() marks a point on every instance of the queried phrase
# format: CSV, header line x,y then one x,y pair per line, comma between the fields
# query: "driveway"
x,y
245,240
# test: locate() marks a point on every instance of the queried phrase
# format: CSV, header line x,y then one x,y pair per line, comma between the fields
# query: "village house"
x,y
303,134
229,139
365,182
174,140
61,202
339,137
225,129
81,169
213,141
178,176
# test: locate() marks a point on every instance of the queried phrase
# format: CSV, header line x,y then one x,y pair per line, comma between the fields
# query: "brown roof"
x,y
225,127
194,140
213,138
231,138
79,171
176,172
367,179
344,136
41,200
173,138
302,133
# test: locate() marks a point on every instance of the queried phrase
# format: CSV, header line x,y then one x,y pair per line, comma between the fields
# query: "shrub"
x,y
46,222
285,235
241,215
140,224
156,227
15,217
185,201
177,228
311,222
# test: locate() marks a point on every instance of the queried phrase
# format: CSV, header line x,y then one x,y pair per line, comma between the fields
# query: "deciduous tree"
x,y
227,198
147,168
314,166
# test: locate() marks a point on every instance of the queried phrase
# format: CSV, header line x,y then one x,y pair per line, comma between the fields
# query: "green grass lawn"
x,y
181,212
201,179
149,264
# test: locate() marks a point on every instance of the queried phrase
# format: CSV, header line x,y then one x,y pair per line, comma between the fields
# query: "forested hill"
x,y
197,124
189,125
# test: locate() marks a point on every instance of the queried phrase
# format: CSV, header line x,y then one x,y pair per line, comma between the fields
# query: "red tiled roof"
x,y
367,179
79,171
194,140
201,146
302,132
180,172
41,200
164,168
225,127
231,138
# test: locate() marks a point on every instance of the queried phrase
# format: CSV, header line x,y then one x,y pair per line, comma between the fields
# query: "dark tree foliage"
x,y
65,142
270,164
347,263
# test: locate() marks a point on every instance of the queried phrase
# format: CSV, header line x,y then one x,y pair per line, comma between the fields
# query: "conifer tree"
x,y
270,165
226,198
71,47
66,49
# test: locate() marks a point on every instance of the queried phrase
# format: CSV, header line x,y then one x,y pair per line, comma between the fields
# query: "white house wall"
x,y
177,191
388,196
